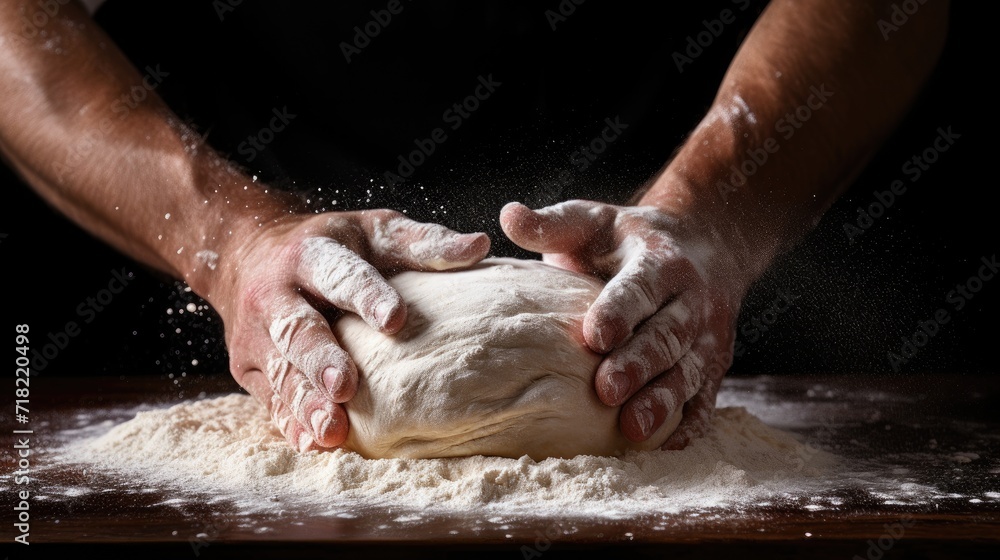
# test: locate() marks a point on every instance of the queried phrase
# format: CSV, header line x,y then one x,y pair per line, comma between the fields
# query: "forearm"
x,y
89,133
807,100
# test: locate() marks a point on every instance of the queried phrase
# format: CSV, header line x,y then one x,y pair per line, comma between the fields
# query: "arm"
x,y
131,174
818,86
752,178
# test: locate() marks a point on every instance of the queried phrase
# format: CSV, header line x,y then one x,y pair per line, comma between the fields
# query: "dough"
x,y
491,362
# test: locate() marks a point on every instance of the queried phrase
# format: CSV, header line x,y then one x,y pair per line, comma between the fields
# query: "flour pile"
x,y
227,446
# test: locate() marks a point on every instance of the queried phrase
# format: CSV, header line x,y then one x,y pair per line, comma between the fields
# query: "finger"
x,y
656,347
562,228
697,419
567,262
646,411
256,383
407,244
324,420
304,338
657,400
648,278
350,283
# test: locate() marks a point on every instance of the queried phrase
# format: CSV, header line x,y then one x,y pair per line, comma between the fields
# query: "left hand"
x,y
666,318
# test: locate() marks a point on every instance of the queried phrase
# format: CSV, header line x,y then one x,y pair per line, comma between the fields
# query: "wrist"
x,y
709,230
232,214
700,187
715,183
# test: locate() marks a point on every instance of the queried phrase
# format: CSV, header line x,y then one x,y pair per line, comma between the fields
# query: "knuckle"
x,y
691,372
289,328
658,219
666,345
666,396
336,222
282,331
692,383
283,420
603,213
279,373
388,214
255,296
647,296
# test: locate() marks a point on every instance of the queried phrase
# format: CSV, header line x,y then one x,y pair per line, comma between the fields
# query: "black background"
x,y
606,59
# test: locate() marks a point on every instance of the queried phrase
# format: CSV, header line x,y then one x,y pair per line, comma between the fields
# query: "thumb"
x,y
408,244
561,228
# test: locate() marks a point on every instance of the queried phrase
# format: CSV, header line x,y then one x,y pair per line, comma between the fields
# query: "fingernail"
x,y
617,385
334,380
320,422
644,417
382,312
305,442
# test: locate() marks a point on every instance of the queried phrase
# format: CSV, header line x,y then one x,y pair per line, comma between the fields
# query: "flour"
x,y
227,446
209,258
348,281
426,245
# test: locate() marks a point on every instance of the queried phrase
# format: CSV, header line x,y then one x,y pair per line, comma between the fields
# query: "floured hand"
x,y
665,320
279,289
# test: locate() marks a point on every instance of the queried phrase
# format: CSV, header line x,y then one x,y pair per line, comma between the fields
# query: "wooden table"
x,y
893,418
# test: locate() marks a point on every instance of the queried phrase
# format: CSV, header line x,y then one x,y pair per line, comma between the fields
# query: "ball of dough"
x,y
491,361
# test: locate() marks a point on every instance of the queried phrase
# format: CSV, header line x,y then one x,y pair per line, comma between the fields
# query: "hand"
x,y
665,319
277,292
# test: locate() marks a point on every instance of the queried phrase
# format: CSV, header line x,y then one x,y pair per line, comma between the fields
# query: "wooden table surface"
x,y
891,419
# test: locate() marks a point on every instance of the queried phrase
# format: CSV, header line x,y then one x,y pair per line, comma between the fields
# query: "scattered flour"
x,y
210,258
228,446
964,457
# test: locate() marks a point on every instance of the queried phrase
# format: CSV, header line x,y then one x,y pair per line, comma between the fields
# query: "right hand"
x,y
666,319
276,290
